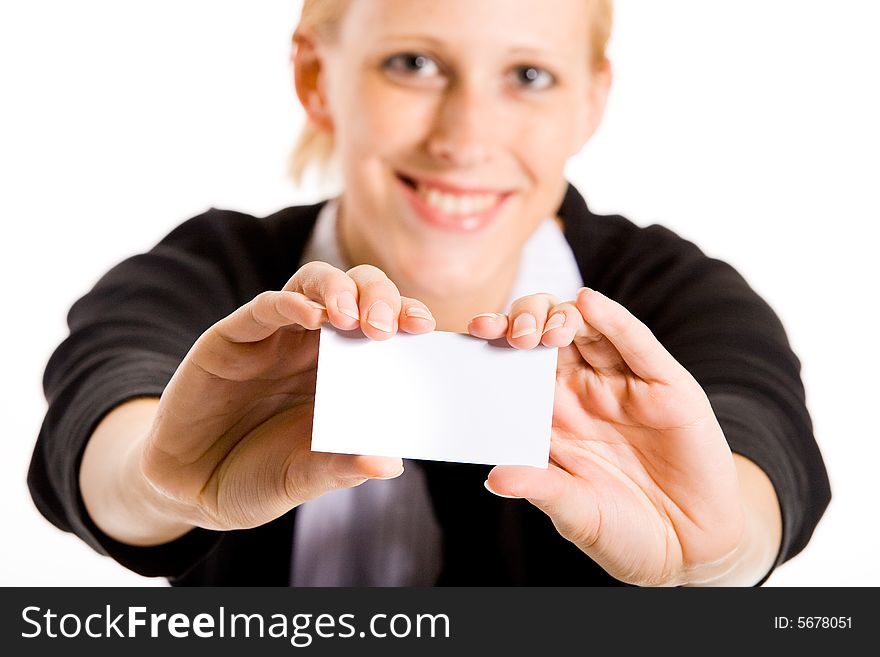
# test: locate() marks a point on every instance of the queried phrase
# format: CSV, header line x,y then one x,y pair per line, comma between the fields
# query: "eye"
x,y
533,78
412,64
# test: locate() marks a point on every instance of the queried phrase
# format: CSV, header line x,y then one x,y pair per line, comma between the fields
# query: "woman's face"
x,y
453,121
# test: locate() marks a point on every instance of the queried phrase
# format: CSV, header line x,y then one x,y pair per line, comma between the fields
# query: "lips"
x,y
451,207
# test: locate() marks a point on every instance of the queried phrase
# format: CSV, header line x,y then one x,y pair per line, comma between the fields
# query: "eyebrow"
x,y
524,51
530,51
411,37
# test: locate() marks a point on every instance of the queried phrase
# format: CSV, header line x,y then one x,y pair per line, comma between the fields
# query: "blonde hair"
x,y
321,18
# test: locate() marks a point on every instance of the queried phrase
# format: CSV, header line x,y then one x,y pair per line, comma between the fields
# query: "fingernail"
x,y
416,311
509,497
315,304
525,324
347,305
556,320
490,315
394,476
380,316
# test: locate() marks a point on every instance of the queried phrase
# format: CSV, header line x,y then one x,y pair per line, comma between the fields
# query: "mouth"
x,y
452,207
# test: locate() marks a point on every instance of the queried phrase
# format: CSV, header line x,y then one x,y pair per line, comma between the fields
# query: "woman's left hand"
x,y
641,477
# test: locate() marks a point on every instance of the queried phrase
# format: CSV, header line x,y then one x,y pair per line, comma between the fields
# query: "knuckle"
x,y
383,289
318,268
335,283
366,271
260,307
273,302
537,302
262,298
310,268
573,319
369,278
312,271
312,276
522,301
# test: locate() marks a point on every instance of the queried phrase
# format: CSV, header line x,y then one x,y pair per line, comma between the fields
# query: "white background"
x,y
749,127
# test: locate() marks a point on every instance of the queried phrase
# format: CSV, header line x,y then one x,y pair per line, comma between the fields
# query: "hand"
x,y
641,477
229,447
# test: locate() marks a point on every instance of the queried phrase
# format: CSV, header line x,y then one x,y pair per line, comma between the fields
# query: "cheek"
x,y
380,120
551,140
542,148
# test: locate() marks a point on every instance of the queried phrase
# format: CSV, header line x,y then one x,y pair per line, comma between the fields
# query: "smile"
x,y
450,207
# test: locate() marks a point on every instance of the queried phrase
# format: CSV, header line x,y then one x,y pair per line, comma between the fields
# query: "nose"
x,y
466,126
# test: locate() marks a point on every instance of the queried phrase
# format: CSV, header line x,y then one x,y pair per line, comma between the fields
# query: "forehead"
x,y
553,26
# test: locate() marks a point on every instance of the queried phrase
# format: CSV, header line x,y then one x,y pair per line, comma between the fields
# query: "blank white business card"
x,y
438,396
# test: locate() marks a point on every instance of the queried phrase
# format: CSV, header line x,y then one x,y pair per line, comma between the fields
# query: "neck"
x,y
452,311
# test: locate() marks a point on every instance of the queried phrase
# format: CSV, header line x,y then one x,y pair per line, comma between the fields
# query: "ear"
x,y
597,99
308,71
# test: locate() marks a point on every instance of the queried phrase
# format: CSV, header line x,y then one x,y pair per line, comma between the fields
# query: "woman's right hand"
x,y
229,444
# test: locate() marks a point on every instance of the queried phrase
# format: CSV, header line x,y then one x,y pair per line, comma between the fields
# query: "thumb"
x,y
569,504
321,472
348,467
522,481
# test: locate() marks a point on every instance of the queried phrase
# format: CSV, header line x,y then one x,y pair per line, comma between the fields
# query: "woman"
x,y
681,450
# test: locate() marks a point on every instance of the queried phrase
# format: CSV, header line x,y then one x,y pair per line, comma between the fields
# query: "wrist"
x,y
736,568
755,554
116,494
160,518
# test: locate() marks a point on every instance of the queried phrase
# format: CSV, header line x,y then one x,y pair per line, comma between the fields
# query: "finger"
x,y
378,300
526,319
635,343
268,312
415,316
489,326
346,467
563,322
572,509
522,481
596,350
332,288
312,474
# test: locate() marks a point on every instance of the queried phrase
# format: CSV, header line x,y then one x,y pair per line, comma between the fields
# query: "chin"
x,y
440,279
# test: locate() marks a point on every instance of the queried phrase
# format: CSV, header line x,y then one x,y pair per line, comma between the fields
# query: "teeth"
x,y
456,204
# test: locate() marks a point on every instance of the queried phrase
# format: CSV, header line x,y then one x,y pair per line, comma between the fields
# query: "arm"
x,y
119,499
128,335
762,537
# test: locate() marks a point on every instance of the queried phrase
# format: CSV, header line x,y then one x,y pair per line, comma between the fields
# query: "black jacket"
x,y
129,333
